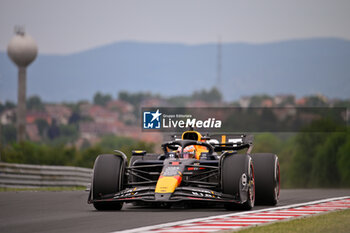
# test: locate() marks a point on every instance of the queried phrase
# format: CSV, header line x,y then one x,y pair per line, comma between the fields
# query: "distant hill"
x,y
300,67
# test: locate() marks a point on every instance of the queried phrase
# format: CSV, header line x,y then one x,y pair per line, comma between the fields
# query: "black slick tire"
x,y
107,180
232,169
267,178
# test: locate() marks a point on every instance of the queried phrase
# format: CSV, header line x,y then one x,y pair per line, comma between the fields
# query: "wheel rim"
x,y
252,185
277,179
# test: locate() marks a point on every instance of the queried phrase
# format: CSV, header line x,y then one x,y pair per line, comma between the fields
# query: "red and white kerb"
x,y
250,218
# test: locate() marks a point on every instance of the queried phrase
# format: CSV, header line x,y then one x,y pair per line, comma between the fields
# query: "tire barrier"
x,y
34,176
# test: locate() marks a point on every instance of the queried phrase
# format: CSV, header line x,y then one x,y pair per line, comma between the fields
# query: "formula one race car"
x,y
193,168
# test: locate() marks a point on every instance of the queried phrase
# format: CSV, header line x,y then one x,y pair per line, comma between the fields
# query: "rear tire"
x,y
232,169
267,178
107,180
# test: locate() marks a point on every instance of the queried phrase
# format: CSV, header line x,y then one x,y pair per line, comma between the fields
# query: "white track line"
x,y
244,215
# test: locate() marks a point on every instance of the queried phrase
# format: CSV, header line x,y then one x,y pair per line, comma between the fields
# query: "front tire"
x,y
107,180
238,180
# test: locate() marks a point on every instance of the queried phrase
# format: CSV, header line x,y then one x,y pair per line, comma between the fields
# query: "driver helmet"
x,y
188,153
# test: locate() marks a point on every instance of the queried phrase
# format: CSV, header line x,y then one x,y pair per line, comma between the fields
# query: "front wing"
x,y
181,194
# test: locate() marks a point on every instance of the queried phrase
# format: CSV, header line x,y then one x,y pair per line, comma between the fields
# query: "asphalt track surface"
x,y
68,211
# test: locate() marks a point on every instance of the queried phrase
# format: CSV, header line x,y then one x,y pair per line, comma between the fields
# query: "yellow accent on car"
x,y
223,138
166,184
193,135
138,152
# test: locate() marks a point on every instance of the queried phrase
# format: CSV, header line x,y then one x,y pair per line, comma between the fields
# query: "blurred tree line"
x,y
39,153
310,159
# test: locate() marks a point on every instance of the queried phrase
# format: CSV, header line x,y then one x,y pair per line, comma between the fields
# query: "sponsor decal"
x,y
171,171
203,194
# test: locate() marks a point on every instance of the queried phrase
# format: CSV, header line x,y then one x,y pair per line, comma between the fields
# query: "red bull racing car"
x,y
192,168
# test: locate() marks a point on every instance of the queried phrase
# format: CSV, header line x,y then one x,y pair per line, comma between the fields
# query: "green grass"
x,y
338,221
43,189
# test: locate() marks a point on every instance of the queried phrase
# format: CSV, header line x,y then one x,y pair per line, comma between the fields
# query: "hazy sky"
x,y
67,26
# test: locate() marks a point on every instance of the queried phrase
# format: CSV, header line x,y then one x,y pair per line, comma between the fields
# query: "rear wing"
x,y
226,142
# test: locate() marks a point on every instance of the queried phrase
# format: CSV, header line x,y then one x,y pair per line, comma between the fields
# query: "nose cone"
x,y
22,50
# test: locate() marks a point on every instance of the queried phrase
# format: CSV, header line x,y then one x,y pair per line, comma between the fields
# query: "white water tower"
x,y
22,50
